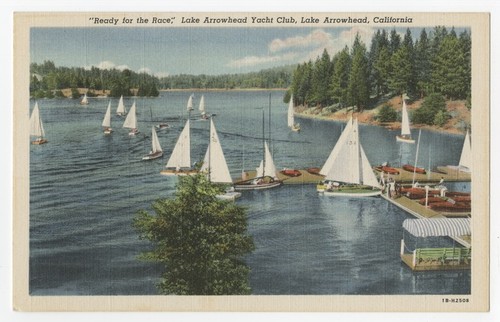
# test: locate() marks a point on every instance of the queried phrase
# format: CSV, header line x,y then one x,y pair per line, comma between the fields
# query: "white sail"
x,y
155,143
181,155
335,151
466,156
107,117
120,110
131,119
202,105
85,100
269,169
260,170
214,162
291,120
349,163
36,125
189,105
405,121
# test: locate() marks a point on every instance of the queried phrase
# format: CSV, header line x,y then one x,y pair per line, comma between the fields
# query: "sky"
x,y
195,50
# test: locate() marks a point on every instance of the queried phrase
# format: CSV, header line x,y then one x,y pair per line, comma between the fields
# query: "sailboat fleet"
x,y
347,171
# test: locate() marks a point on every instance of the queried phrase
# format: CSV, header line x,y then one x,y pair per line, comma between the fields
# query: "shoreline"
x,y
460,116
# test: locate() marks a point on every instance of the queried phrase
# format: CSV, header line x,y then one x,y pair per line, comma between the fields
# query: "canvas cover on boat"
x,y
438,227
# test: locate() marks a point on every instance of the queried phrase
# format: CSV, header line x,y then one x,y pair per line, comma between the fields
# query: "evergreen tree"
x,y
395,41
321,76
422,64
200,240
339,86
359,77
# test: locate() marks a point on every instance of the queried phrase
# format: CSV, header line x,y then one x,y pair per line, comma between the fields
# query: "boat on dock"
x,y
156,151
442,258
387,169
405,136
347,170
291,172
36,127
106,122
179,163
411,168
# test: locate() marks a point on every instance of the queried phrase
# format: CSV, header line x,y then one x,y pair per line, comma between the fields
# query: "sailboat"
x,y
36,127
266,172
347,170
120,110
106,123
291,120
215,166
156,151
179,162
405,126
131,121
465,163
84,100
203,112
189,106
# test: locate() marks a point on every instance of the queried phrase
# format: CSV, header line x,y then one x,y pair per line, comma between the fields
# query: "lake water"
x,y
85,189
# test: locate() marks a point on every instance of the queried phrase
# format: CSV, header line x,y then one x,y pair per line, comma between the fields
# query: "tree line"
x,y
47,80
435,63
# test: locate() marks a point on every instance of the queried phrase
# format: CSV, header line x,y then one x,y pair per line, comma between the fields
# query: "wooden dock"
x,y
445,173
419,211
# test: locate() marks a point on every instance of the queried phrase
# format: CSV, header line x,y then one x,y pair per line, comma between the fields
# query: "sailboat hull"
x,y
181,172
231,196
152,156
403,139
254,186
353,192
39,141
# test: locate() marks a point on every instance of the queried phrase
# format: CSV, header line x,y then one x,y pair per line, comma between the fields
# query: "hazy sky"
x,y
195,50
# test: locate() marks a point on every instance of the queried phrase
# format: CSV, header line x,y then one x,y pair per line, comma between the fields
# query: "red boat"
x,y
411,168
446,206
388,170
291,172
418,193
453,194
430,200
313,170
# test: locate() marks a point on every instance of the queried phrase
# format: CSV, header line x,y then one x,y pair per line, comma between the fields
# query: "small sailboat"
x,y
347,170
203,112
215,166
465,163
106,123
156,151
405,136
189,106
85,100
120,110
131,121
179,162
36,127
266,177
291,120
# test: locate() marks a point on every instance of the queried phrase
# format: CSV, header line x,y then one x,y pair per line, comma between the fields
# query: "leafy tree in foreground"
x,y
200,239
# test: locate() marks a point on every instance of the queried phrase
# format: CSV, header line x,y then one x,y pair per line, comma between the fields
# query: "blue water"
x,y
85,189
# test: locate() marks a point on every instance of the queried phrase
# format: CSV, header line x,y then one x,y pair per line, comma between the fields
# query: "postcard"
x,y
317,162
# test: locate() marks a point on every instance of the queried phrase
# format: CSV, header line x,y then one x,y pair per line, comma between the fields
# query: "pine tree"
x,y
320,81
359,77
422,64
200,239
340,78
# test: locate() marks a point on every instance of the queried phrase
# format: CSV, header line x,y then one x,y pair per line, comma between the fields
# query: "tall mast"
x,y
263,147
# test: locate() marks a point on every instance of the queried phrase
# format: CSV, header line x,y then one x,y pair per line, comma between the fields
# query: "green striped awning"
x,y
438,227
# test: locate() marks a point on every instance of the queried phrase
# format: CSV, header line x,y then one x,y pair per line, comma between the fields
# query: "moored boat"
x,y
387,169
347,170
291,172
411,168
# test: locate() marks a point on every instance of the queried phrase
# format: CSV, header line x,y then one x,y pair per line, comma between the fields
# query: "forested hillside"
x,y
438,63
